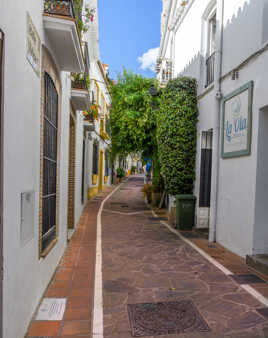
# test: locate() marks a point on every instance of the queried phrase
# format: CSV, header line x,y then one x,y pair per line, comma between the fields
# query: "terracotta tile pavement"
x,y
74,280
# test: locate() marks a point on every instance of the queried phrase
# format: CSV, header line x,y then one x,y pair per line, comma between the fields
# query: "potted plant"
x,y
147,191
120,173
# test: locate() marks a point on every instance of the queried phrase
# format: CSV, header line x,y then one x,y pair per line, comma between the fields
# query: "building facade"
x,y
99,172
45,69
223,45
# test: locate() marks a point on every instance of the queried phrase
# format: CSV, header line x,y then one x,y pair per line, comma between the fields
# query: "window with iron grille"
x,y
107,163
211,47
205,170
95,160
49,162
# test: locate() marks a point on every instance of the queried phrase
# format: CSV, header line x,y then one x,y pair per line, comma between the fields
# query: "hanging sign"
x,y
236,122
33,46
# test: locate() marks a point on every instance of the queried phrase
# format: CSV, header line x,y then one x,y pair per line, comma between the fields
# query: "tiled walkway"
x,y
142,263
74,280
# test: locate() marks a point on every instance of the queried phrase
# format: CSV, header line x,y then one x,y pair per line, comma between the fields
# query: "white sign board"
x,y
33,46
237,116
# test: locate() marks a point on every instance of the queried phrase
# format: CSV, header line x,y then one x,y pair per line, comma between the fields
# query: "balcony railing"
x,y
89,118
59,7
79,81
210,69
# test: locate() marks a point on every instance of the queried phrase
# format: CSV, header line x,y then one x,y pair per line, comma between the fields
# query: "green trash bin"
x,y
185,212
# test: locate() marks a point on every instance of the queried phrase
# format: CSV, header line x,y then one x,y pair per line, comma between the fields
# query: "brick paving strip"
x,y
74,280
146,267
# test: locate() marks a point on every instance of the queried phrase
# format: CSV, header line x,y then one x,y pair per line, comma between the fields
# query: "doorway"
x,y
203,209
101,172
71,176
1,173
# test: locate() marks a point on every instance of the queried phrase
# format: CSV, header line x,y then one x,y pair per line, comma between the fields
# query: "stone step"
x,y
258,262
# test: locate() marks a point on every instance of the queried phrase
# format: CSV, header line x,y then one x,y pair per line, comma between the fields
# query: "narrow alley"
x,y
151,282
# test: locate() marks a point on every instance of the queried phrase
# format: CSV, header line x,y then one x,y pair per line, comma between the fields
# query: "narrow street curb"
x,y
97,326
246,287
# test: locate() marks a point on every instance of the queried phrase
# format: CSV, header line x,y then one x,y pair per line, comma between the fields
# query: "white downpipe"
x,y
173,53
216,134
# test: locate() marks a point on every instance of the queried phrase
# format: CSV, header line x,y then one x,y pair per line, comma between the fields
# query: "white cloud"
x,y
148,59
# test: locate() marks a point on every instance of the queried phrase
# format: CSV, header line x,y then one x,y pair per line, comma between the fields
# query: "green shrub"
x,y
133,169
176,135
120,172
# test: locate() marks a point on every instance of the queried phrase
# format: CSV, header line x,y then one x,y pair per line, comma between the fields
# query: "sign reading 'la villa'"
x,y
237,120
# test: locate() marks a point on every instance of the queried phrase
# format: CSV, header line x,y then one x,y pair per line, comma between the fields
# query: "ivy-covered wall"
x,y
176,135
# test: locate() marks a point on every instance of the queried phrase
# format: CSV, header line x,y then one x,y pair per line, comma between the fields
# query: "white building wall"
x,y
243,194
79,206
242,31
25,275
188,41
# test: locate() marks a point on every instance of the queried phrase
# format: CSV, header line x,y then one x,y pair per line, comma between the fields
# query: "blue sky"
x,y
128,29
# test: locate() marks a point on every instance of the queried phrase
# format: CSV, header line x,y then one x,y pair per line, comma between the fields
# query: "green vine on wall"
x,y
176,135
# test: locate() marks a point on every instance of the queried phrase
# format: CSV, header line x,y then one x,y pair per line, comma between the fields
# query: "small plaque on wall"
x,y
27,217
33,46
237,122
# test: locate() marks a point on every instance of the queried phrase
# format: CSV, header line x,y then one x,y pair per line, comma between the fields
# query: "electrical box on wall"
x,y
27,217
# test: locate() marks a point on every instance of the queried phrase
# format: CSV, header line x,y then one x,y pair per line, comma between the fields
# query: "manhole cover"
x,y
247,279
152,319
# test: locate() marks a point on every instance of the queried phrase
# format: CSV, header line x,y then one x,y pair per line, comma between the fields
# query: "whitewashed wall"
x,y
79,206
243,193
25,276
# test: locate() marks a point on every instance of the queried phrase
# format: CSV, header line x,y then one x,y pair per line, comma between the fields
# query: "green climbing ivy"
x,y
176,135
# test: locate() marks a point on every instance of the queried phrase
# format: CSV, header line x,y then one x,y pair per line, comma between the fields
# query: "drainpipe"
x,y
216,134
173,52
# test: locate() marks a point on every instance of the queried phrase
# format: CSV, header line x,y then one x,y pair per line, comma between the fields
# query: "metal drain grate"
x,y
153,319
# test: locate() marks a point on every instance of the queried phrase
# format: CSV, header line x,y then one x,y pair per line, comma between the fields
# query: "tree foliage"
x,y
176,135
133,121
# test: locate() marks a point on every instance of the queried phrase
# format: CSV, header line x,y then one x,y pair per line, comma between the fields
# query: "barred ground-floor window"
x,y
50,139
107,159
49,153
95,160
